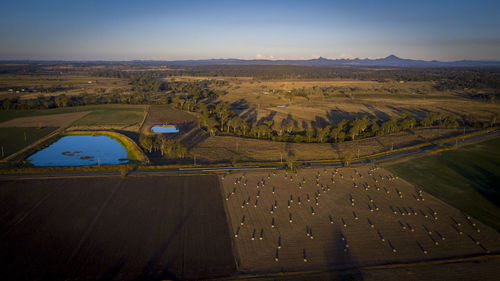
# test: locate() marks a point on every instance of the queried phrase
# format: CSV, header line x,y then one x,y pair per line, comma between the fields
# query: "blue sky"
x,y
124,30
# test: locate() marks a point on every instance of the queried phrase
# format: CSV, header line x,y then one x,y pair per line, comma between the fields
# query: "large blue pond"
x,y
80,151
164,129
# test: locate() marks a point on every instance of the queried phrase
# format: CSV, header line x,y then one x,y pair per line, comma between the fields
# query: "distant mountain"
x,y
390,61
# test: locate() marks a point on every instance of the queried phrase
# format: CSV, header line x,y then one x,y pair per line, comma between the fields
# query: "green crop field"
x,y
467,178
113,116
14,139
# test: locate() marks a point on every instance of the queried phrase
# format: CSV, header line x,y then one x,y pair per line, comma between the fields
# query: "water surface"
x,y
80,151
164,129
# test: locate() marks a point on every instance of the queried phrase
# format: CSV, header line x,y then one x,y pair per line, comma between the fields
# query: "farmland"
x,y
14,139
155,227
234,149
100,115
124,117
166,114
467,178
335,219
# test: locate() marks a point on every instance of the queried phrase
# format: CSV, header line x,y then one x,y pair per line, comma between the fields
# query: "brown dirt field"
x,y
53,120
347,242
161,114
228,148
155,227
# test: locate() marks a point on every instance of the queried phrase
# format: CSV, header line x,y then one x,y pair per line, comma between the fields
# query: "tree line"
x,y
169,148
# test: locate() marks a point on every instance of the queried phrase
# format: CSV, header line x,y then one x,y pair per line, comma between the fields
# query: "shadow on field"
x,y
269,117
250,115
378,114
319,122
334,116
239,105
149,272
483,181
417,113
340,263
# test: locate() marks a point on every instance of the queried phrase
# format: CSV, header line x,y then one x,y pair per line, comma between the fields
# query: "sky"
x,y
177,30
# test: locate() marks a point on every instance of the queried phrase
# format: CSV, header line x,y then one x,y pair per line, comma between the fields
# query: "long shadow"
x,y
239,105
483,181
379,114
334,116
319,122
269,117
419,113
148,272
340,262
250,115
132,135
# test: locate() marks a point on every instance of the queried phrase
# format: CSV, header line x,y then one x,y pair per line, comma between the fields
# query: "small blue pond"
x,y
164,129
80,151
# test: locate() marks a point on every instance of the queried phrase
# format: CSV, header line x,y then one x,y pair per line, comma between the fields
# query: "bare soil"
x,y
148,228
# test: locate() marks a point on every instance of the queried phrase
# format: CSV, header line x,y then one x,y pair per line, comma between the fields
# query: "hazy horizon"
x,y
276,30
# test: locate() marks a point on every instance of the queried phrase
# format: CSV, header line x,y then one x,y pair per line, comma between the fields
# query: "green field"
x,y
14,139
467,178
113,116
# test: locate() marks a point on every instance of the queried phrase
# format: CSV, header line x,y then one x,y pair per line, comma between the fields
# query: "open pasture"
x,y
236,149
467,178
31,86
113,228
328,219
259,101
121,116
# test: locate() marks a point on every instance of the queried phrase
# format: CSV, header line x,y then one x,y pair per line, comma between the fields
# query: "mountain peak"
x,y
392,57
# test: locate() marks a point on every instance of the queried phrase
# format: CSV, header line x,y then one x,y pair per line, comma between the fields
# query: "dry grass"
x,y
53,120
256,100
327,250
236,149
73,84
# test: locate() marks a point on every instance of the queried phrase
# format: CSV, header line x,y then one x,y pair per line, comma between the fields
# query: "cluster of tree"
x,y
220,120
147,91
62,100
169,148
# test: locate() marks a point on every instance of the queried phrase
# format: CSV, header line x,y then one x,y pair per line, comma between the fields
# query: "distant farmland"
x,y
155,227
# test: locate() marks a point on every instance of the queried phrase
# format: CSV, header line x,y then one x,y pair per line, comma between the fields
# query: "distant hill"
x,y
391,60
